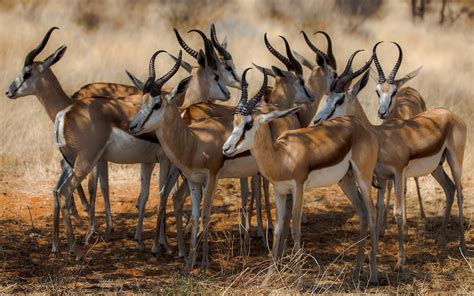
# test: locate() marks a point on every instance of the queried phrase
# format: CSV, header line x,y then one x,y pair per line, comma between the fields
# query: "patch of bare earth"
x,y
325,265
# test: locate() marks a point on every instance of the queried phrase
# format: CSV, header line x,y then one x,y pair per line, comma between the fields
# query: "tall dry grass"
x,y
106,37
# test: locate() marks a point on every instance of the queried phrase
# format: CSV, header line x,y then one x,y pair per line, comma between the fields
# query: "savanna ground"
x,y
103,41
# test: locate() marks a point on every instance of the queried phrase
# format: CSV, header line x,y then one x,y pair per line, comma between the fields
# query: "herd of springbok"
x,y
277,136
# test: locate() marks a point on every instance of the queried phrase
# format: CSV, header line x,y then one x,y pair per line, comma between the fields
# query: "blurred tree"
x,y
363,8
418,10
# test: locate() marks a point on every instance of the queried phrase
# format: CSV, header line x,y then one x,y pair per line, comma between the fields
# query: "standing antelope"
x,y
407,148
404,103
339,151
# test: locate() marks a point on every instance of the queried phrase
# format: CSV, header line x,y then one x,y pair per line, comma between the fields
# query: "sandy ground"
x,y
115,264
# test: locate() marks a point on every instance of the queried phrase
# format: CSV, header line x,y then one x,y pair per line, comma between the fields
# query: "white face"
x,y
242,137
230,76
25,82
303,94
149,117
387,94
217,89
336,106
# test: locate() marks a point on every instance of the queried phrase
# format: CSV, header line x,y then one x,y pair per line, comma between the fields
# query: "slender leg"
x,y
244,192
348,186
146,171
280,201
178,196
266,192
250,212
206,218
82,197
455,163
167,180
286,223
400,216
296,215
420,201
104,188
448,187
387,207
256,189
66,171
74,212
93,176
382,208
196,191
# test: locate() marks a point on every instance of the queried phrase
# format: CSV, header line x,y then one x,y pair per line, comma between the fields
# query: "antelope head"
x,y
33,72
341,99
386,89
206,79
154,102
326,71
224,63
290,82
247,122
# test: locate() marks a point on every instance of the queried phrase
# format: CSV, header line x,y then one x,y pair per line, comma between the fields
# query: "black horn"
x,y
347,76
329,52
257,98
244,95
278,55
183,44
314,48
377,64
223,52
158,84
151,72
32,54
391,77
296,65
208,49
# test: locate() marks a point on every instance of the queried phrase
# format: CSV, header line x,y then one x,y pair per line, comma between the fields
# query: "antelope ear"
x,y
281,73
278,114
264,70
186,66
178,89
137,82
224,42
53,58
201,59
303,60
360,84
403,80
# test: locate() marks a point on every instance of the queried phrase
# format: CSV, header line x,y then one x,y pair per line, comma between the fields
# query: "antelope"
x,y
407,148
338,151
404,103
37,78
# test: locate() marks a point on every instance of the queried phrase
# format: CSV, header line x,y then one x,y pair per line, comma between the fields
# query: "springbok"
x,y
338,151
404,103
36,78
407,148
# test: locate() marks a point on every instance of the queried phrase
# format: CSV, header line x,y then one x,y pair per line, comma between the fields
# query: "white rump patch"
x,y
59,127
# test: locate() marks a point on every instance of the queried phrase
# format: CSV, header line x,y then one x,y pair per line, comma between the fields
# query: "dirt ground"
x,y
115,265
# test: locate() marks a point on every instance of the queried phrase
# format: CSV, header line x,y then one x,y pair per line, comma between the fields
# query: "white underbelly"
x,y
423,166
318,178
125,148
240,167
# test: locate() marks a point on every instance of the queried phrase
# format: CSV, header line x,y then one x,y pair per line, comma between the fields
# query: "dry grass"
x,y
106,37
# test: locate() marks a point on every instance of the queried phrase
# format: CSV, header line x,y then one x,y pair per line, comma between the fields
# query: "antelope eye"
x,y
156,106
340,101
216,77
26,75
248,125
228,68
394,93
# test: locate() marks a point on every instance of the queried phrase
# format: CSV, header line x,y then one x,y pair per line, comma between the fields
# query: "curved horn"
x,y
391,77
32,54
183,44
278,55
158,84
244,96
227,56
296,65
313,47
151,72
329,53
377,64
208,49
346,77
257,98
